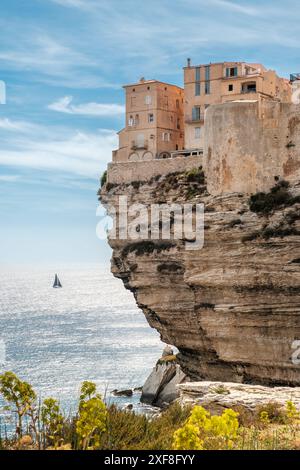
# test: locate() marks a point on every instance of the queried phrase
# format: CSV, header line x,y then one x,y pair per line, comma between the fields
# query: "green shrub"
x,y
91,422
52,421
103,179
273,411
279,196
221,390
205,432
167,359
195,175
170,267
129,431
234,223
147,247
21,398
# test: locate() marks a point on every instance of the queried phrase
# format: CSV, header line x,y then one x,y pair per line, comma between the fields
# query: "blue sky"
x,y
64,63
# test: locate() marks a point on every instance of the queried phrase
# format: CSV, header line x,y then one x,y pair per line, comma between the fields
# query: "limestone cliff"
x,y
233,308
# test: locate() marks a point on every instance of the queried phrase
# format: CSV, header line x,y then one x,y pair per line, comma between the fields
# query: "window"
x,y
130,121
197,132
197,74
150,117
249,87
137,120
230,87
178,123
197,89
166,101
133,101
166,136
207,72
177,104
207,88
148,99
148,88
196,116
231,72
140,141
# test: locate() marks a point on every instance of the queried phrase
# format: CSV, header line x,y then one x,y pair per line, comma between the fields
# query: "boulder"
x,y
168,351
160,388
123,393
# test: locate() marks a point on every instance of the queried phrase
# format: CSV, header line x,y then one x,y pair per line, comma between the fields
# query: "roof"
x,y
145,82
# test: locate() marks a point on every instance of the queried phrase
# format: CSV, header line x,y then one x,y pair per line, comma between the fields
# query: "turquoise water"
x,y
91,329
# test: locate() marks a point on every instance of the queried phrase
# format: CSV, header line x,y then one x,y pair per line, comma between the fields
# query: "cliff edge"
x,y
232,308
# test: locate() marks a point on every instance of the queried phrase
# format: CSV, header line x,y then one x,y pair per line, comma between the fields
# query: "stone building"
x,y
154,122
295,81
219,83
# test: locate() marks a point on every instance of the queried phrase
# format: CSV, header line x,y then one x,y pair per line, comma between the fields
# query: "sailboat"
x,y
57,283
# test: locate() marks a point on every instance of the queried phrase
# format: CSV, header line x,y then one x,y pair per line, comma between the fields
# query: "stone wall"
x,y
119,173
248,144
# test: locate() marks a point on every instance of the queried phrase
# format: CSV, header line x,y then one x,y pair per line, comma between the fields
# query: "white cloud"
x,y
64,105
17,126
60,150
9,178
237,7
81,4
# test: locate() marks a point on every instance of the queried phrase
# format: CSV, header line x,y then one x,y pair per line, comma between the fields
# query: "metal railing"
x,y
194,118
136,145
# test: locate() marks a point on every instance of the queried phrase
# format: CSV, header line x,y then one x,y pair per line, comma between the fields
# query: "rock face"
x,y
160,388
232,308
216,396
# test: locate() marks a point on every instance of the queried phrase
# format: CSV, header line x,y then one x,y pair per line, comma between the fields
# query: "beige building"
x,y
222,82
295,82
154,122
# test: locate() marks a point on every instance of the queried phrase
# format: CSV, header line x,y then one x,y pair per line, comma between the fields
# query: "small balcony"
x,y
249,87
139,145
195,118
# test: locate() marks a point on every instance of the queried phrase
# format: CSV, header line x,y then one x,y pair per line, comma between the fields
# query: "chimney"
x,y
188,62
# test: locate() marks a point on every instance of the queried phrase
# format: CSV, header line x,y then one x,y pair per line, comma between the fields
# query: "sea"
x,y
90,329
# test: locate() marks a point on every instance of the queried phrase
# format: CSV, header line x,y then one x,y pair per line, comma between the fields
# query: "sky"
x,y
64,63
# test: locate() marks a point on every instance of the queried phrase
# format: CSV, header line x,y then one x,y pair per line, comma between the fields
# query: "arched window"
x,y
130,121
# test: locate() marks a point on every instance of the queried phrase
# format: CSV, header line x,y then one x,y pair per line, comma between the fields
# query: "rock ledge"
x,y
219,395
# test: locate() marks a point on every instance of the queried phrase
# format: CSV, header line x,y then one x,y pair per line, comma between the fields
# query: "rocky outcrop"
x,y
160,388
215,396
232,308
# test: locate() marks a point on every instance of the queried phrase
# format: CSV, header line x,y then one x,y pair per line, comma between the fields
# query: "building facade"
x,y
154,122
222,82
163,120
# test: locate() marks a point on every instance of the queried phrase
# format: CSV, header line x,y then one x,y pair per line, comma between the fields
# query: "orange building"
x,y
222,82
154,122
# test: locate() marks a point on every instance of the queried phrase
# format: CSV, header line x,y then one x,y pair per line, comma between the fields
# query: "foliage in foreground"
x,y
97,425
204,432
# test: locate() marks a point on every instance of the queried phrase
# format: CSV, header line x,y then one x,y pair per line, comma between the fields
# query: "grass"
x,y
100,426
167,359
190,184
285,228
